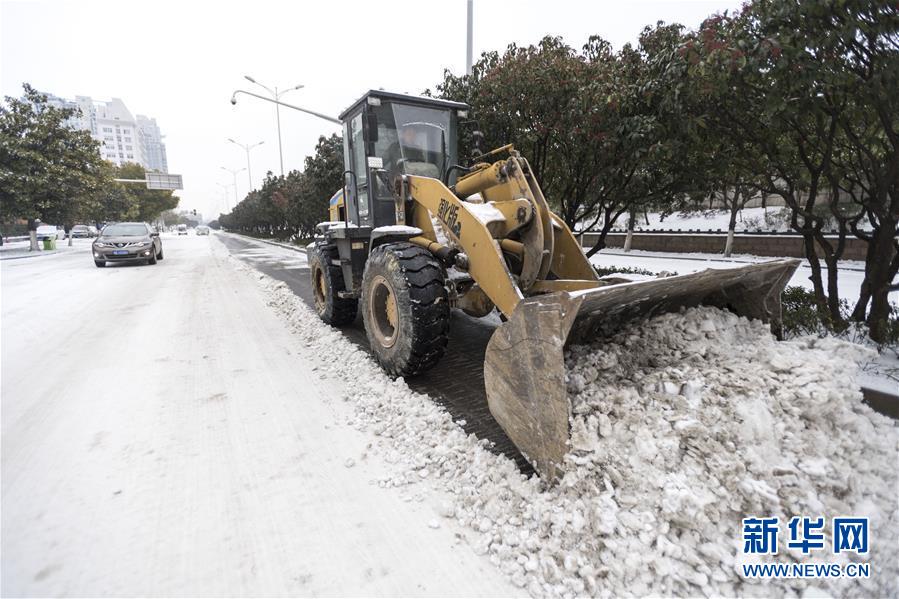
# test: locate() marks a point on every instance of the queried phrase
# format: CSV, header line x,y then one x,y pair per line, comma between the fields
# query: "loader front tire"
x,y
327,283
405,308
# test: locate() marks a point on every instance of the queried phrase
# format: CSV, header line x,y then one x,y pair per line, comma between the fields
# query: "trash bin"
x,y
49,244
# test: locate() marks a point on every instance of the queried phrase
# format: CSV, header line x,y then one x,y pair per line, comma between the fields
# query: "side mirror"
x,y
154,234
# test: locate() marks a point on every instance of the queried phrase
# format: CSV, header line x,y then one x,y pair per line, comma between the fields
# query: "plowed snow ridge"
x,y
681,427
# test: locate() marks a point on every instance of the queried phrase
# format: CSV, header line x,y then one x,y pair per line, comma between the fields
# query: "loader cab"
x,y
399,134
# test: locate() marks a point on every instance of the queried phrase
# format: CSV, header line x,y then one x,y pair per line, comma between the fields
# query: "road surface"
x,y
457,382
161,437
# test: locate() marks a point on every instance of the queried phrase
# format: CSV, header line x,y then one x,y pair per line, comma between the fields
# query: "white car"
x,y
182,229
202,230
49,232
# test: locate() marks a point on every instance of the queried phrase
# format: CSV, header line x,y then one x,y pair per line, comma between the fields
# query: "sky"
x,y
180,62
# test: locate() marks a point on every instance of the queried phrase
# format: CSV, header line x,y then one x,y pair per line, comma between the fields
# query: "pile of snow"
x,y
694,421
658,482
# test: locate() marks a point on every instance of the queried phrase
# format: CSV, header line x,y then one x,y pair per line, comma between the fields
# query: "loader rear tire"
x,y
405,308
327,283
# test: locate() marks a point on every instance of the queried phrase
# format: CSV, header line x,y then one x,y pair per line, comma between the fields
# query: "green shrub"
x,y
800,313
801,317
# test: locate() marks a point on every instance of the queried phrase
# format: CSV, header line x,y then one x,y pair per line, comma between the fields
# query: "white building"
x,y
151,145
123,138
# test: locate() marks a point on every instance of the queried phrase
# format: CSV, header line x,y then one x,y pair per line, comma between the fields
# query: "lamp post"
x,y
469,54
225,201
330,119
234,172
247,148
277,96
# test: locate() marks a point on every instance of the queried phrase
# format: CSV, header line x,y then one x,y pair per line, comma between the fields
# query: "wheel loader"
x,y
414,234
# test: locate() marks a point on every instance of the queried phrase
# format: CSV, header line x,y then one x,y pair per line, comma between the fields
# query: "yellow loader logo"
x,y
449,214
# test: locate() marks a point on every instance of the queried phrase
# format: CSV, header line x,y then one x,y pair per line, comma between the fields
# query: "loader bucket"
x,y
524,368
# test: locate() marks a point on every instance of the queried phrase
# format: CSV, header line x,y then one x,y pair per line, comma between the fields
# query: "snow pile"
x,y
694,421
660,476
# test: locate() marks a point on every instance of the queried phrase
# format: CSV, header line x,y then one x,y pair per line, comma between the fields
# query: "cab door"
x,y
357,184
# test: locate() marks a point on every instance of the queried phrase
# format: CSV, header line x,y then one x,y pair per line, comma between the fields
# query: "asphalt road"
x,y
457,382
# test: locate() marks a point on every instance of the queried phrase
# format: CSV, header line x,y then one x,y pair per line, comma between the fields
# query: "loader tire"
x,y
405,308
327,282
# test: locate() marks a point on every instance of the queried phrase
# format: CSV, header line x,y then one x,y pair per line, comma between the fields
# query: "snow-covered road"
x,y
160,436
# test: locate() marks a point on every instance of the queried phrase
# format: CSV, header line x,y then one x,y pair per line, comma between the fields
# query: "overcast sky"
x,y
180,61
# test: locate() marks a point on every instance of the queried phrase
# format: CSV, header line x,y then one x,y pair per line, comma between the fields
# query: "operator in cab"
x,y
411,147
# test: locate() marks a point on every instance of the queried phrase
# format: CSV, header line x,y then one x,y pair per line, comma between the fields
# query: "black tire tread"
x,y
338,311
422,298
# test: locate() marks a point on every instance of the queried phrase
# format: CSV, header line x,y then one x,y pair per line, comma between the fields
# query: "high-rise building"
x,y
151,144
123,138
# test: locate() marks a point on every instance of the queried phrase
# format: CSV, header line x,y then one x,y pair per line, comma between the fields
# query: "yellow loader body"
x,y
525,261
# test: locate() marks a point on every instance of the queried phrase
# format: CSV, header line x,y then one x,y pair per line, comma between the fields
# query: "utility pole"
x,y
469,54
225,202
277,96
234,174
247,148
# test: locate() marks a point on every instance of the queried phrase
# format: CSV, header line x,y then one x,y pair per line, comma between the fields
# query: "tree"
x,y
322,176
291,206
644,141
149,203
811,86
47,166
587,122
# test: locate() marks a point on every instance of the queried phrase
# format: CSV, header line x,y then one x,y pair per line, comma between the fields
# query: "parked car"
x,y
202,230
127,242
82,231
45,232
182,229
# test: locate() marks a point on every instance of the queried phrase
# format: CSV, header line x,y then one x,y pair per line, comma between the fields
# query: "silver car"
x,y
127,242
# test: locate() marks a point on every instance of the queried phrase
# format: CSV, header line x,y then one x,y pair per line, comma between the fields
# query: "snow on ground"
x,y
748,218
164,435
11,250
774,218
594,532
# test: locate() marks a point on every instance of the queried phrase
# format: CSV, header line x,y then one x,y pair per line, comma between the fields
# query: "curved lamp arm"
x,y
312,112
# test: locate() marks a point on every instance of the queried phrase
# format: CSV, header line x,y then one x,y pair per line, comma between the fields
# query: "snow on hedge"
x,y
682,427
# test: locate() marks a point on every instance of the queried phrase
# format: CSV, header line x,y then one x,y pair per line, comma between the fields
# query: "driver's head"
x,y
410,137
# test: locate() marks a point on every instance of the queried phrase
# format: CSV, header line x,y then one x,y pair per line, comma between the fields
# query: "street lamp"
x,y
225,201
234,172
469,55
330,119
277,96
247,148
